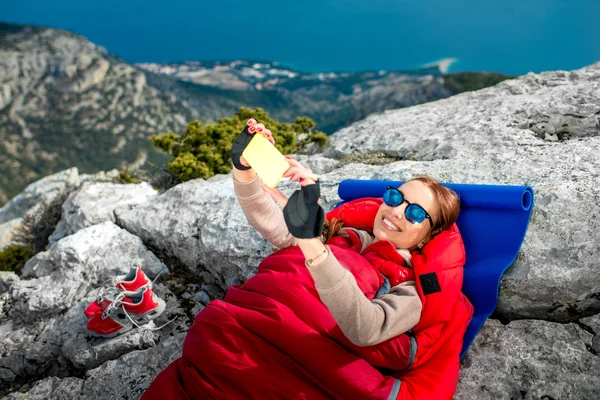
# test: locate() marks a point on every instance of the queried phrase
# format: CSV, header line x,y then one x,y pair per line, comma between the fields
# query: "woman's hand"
x,y
241,142
296,173
303,215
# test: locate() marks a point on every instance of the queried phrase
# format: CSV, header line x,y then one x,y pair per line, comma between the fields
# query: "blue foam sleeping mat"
x,y
493,220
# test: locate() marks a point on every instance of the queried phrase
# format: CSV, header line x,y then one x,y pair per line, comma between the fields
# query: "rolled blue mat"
x,y
493,220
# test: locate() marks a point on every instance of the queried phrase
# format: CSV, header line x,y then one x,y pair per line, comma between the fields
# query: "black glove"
x,y
238,147
303,216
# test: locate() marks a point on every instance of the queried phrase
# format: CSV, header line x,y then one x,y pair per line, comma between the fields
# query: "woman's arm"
x,y
260,209
362,321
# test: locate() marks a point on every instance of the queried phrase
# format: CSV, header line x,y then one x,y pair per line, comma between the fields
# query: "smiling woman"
x,y
327,313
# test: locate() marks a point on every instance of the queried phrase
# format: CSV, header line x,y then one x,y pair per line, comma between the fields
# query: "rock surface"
x,y
43,191
529,360
94,203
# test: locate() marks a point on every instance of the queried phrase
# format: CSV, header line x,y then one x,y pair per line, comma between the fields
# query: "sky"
x,y
510,36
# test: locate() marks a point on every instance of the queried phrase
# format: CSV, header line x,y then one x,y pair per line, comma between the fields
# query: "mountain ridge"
x,y
65,101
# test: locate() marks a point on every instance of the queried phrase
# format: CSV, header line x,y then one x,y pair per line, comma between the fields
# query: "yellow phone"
x,y
266,160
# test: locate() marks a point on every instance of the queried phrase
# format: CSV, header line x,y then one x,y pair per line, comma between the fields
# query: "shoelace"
x,y
119,299
118,302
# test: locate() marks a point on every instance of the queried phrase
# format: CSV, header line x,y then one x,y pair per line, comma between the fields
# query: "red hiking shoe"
x,y
134,280
123,312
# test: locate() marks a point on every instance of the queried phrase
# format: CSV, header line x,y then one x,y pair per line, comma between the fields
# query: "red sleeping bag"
x,y
273,338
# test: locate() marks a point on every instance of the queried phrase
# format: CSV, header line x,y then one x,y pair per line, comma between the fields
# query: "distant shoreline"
x,y
443,64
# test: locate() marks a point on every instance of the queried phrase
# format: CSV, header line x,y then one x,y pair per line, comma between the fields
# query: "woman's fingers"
x,y
251,122
276,195
267,133
293,162
303,175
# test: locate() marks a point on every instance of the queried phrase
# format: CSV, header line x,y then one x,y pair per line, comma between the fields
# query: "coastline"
x,y
444,64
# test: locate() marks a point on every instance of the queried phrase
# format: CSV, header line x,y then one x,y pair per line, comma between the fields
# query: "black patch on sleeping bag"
x,y
430,283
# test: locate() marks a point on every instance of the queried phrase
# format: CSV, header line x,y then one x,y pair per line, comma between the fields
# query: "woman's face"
x,y
404,234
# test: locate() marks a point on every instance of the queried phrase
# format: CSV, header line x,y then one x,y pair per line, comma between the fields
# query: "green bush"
x,y
13,258
470,81
126,176
204,150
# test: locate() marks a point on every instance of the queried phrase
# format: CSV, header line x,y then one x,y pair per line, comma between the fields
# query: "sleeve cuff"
x,y
328,273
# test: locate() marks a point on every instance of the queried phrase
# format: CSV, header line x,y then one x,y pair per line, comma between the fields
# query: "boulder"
x,y
529,359
94,203
46,190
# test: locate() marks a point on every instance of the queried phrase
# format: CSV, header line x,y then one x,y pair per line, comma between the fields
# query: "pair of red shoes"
x,y
131,302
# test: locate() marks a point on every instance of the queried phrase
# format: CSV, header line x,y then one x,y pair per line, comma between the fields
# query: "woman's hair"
x,y
448,204
447,200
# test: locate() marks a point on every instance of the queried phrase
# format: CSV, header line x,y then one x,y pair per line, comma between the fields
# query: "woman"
x,y
376,312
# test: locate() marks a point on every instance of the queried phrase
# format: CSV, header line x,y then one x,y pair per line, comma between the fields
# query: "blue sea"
x,y
509,36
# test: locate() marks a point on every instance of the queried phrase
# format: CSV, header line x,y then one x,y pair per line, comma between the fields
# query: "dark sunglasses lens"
x,y
415,214
392,197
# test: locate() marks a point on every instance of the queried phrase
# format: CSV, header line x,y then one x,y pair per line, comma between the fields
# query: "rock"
x,y
7,232
529,359
43,191
492,137
318,163
201,225
101,176
55,280
130,375
44,332
51,388
94,203
592,326
5,96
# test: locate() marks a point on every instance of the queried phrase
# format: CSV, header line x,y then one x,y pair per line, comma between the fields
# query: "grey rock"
x,y
45,323
130,375
7,232
492,136
529,359
94,203
43,191
51,388
201,225
7,278
592,326
55,280
101,176
318,163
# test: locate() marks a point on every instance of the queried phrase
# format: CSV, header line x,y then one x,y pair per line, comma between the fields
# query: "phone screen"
x,y
266,160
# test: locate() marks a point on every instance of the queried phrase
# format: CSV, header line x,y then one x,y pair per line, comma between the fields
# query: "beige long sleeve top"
x,y
364,322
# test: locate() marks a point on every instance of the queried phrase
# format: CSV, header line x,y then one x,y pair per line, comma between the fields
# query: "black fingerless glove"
x,y
303,216
238,147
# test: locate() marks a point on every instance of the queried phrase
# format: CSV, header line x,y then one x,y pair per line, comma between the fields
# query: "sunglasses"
x,y
414,213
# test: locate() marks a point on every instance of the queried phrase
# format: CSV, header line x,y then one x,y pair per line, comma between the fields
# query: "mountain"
x,y
66,102
333,99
